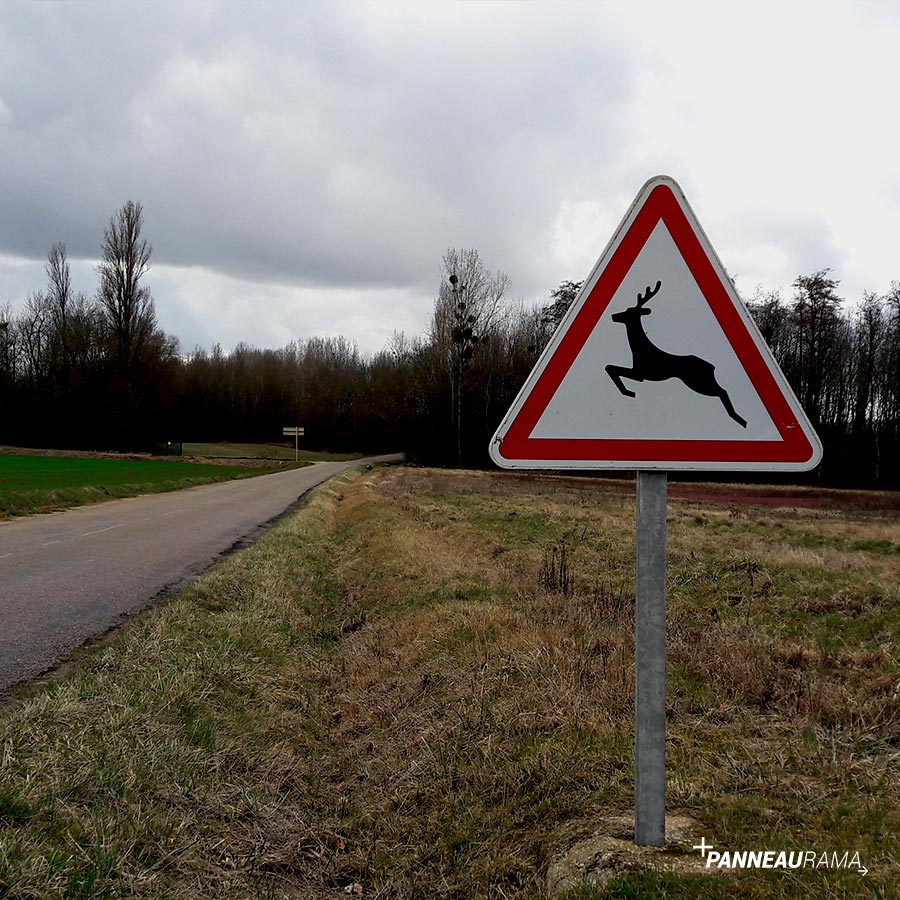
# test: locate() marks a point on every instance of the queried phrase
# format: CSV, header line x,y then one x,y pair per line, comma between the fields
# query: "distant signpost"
x,y
657,366
297,434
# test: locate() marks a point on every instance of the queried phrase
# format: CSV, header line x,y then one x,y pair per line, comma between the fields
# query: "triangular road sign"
x,y
657,365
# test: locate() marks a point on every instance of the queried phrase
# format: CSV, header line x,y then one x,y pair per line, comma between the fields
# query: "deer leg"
x,y
617,373
722,394
698,375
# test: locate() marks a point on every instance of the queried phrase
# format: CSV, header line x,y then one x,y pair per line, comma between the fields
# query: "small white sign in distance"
x,y
657,365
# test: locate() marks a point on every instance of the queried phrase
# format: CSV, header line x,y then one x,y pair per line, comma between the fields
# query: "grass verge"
x,y
33,484
396,693
227,450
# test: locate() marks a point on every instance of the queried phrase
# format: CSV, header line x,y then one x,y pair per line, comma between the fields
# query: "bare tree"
x,y
818,323
889,364
34,331
772,317
60,280
127,305
139,357
60,301
562,298
467,311
869,328
7,346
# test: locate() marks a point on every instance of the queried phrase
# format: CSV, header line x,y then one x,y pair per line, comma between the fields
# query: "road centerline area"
x,y
101,530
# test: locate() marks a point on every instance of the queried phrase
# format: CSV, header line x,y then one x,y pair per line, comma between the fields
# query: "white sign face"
x,y
657,365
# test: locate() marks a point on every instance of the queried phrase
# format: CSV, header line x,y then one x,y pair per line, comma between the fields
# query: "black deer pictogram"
x,y
649,363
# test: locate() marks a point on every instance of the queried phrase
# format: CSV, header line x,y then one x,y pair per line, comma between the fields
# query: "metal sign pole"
x,y
650,662
297,445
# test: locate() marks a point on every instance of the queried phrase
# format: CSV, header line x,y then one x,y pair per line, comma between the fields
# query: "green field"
x,y
228,450
420,685
31,484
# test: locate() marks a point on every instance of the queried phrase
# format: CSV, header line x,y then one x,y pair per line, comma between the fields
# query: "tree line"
x,y
844,366
99,373
78,371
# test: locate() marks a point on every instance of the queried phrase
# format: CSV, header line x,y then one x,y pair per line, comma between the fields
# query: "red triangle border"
x,y
517,445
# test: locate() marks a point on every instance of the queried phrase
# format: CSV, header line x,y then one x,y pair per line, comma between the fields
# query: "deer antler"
x,y
643,299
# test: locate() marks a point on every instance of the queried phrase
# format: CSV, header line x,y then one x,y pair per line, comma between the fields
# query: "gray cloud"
x,y
327,145
760,244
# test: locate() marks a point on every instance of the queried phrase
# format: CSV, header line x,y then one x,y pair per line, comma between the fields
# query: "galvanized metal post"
x,y
650,662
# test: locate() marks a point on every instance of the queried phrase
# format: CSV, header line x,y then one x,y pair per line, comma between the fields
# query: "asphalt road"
x,y
70,576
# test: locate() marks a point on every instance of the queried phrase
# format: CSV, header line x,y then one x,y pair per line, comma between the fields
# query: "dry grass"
x,y
389,695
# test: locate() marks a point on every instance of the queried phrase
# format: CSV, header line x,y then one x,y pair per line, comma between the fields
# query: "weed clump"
x,y
556,575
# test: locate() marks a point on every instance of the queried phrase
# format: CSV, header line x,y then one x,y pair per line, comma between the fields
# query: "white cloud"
x,y
777,112
581,232
216,308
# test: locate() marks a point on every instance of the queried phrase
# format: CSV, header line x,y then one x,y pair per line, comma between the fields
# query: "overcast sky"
x,y
303,166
